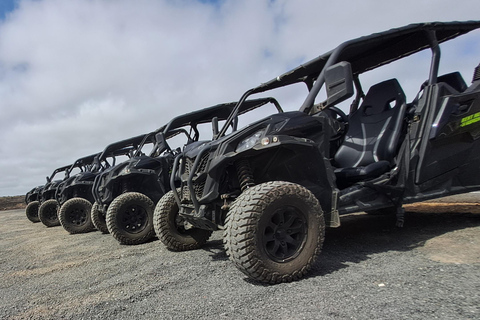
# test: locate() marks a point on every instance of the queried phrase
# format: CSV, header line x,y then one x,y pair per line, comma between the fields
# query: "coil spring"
x,y
244,173
124,187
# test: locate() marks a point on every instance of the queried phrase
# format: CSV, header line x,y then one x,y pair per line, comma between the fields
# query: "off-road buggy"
x,y
125,195
75,193
49,209
103,192
46,206
32,200
274,186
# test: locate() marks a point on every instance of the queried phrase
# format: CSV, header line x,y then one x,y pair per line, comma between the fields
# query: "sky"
x,y
77,75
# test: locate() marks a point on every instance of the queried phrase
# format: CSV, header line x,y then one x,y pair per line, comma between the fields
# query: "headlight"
x,y
125,170
250,141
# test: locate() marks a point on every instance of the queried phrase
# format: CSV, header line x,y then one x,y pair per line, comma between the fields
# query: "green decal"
x,y
470,119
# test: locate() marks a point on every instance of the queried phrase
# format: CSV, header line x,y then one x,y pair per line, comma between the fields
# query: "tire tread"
x,y
240,228
111,217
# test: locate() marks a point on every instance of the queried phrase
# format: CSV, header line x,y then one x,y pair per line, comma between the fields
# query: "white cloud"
x,y
76,75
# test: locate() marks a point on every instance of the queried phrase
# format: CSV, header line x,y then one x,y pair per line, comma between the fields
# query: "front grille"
x,y
188,166
201,166
198,186
185,194
203,163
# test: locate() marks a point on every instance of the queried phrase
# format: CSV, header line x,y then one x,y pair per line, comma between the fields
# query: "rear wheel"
x,y
32,211
274,231
74,216
48,213
98,218
130,218
173,230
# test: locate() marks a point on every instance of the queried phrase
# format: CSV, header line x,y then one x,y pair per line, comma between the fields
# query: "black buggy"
x,y
102,184
125,195
46,206
32,200
54,194
75,193
33,197
275,185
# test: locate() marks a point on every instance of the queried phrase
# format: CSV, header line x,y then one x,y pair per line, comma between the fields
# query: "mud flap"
x,y
334,216
400,215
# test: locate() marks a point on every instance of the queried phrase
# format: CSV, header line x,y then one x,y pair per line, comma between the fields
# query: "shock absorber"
x,y
245,174
124,187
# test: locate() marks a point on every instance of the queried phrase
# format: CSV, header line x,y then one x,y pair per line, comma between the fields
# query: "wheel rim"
x,y
32,211
77,216
51,213
133,219
103,216
284,234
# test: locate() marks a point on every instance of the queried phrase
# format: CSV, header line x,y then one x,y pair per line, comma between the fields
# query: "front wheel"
x,y
32,211
174,232
274,232
98,218
130,218
48,213
74,216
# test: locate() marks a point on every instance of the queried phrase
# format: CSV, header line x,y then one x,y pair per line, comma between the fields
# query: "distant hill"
x,y
13,202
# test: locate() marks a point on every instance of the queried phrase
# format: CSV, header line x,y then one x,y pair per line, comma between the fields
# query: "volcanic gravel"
x,y
368,269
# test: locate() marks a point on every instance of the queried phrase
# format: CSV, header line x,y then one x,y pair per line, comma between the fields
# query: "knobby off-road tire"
x,y
32,211
74,216
48,213
130,218
170,227
98,218
274,232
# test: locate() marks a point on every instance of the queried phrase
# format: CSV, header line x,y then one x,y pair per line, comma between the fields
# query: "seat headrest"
x,y
454,80
380,96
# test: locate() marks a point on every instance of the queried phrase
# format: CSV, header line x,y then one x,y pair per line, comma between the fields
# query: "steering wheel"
x,y
338,114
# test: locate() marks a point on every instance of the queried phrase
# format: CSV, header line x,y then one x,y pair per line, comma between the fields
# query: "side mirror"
x,y
235,124
215,126
338,82
161,143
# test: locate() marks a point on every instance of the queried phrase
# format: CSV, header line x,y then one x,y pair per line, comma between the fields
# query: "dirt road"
x,y
368,269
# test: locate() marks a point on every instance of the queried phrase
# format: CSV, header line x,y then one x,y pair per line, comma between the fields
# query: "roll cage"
x,y
364,54
116,181
219,112
338,72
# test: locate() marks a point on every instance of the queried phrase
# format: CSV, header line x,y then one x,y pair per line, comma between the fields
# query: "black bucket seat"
x,y
374,133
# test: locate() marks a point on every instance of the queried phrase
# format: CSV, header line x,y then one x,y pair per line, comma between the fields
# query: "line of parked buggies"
x,y
119,198
276,184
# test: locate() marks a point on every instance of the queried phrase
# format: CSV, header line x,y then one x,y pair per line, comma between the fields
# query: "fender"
x,y
287,158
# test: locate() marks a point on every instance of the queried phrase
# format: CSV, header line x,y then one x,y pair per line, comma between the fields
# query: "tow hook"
x,y
225,196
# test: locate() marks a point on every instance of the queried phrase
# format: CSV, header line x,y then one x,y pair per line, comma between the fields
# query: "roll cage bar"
x,y
58,170
366,53
193,119
83,163
129,147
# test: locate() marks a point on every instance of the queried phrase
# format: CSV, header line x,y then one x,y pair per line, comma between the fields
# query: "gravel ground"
x,y
368,269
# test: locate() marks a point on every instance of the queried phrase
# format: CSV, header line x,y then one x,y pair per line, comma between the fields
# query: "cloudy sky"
x,y
77,75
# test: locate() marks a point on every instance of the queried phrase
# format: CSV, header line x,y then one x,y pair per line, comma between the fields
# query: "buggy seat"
x,y
373,136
